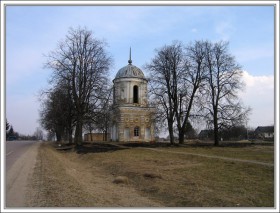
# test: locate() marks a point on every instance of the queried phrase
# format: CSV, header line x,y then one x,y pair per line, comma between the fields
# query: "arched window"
x,y
135,94
136,131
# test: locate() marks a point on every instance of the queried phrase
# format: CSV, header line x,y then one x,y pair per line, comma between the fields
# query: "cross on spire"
x,y
130,61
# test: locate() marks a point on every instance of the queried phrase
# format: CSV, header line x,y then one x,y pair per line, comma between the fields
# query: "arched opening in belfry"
x,y
135,94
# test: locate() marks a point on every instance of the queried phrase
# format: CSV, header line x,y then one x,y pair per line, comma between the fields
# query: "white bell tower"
x,y
133,119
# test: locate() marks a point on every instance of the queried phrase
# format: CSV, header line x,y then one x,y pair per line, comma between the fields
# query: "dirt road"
x,y
20,161
65,179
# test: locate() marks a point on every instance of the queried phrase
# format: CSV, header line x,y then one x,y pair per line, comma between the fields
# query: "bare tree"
x,y
104,113
177,76
99,112
7,125
81,60
38,134
166,69
193,76
223,81
10,131
56,113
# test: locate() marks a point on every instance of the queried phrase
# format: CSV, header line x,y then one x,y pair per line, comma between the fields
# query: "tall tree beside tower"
x,y
177,73
201,79
222,107
81,60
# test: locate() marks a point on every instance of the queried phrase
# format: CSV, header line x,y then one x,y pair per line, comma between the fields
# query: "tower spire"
x,y
130,61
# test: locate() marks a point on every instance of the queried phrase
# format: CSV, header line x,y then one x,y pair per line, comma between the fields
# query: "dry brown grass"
x,y
157,178
189,181
66,179
254,152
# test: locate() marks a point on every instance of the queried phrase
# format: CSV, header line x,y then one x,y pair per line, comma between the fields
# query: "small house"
x,y
206,134
96,137
264,132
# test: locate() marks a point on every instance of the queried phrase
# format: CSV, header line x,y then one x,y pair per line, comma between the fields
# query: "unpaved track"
x,y
215,157
67,179
20,162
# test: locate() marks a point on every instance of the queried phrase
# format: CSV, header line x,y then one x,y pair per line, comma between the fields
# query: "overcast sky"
x,y
32,31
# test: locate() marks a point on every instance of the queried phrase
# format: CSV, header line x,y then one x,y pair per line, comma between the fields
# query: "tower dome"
x,y
130,71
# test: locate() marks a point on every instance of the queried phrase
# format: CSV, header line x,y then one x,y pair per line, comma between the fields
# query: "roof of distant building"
x,y
205,132
265,129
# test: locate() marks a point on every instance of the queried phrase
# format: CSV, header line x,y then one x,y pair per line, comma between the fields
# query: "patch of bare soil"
x,y
64,179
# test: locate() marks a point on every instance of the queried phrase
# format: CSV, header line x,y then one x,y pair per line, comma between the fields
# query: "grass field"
x,y
177,176
187,180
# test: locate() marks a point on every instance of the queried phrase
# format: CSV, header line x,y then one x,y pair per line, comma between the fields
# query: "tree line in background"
x,y
13,135
199,81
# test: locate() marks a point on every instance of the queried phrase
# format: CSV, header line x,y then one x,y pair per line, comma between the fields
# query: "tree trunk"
x,y
106,134
58,136
90,132
79,132
216,130
216,137
70,139
170,129
181,136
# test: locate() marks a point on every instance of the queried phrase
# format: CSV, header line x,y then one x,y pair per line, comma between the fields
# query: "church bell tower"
x,y
132,118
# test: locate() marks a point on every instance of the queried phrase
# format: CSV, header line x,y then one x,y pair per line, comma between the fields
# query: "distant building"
x,y
11,138
206,134
96,137
264,132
